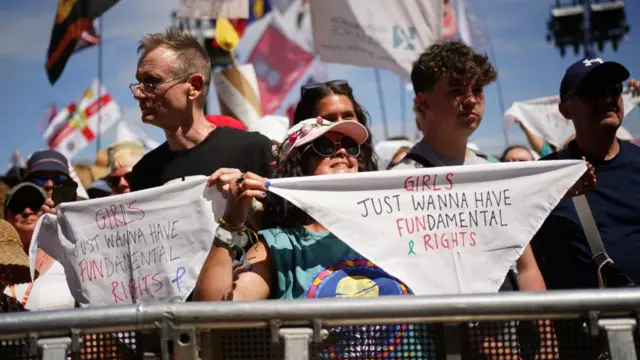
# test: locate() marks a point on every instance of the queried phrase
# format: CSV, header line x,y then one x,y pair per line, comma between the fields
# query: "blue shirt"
x,y
563,254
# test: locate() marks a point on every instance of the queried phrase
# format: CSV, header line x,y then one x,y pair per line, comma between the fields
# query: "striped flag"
x,y
75,126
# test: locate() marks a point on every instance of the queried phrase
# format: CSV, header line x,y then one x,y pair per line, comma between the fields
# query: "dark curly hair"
x,y
307,108
278,211
454,59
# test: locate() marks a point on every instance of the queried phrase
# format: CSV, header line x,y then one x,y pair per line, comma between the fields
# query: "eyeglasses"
x,y
313,86
326,147
41,180
594,91
149,87
114,181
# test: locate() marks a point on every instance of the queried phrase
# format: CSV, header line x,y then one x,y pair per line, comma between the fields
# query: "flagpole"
x,y
99,130
492,54
403,106
382,105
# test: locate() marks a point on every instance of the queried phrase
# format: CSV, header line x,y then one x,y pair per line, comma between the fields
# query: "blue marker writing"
x,y
180,271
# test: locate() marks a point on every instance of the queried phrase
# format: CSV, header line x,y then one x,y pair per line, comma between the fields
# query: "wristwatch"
x,y
229,240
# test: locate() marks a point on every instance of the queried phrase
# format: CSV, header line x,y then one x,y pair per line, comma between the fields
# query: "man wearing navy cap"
x,y
590,96
47,168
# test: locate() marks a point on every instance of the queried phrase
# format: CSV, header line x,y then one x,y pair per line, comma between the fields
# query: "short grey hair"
x,y
191,56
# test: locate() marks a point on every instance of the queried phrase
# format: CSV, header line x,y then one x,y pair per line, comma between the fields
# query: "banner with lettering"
x,y
384,34
142,247
446,230
542,117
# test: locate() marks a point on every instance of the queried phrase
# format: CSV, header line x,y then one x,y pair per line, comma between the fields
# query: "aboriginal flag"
x,y
73,19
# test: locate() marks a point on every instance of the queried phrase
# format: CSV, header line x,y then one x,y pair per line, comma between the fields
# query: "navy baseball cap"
x,y
580,70
47,160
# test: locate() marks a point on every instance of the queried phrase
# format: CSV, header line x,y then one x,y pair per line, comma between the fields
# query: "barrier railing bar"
x,y
143,316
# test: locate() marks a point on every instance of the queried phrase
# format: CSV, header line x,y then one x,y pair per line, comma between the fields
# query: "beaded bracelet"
x,y
232,228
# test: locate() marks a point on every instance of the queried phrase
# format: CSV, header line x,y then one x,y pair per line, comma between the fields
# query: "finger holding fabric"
x,y
222,178
586,183
243,191
49,207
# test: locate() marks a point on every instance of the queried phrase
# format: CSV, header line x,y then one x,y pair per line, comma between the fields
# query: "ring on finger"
x,y
240,179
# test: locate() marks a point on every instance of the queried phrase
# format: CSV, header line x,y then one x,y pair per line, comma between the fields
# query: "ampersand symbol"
x,y
180,271
411,244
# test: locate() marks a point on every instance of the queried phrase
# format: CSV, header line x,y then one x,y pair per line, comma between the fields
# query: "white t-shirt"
x,y
49,292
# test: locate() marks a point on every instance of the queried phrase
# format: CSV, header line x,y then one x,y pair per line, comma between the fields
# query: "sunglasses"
x,y
313,86
18,206
41,180
594,91
114,181
326,147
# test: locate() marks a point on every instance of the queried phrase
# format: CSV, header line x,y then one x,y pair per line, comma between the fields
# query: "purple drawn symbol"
x,y
180,271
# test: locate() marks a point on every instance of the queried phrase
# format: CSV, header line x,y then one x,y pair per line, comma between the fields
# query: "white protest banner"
x,y
384,34
142,247
446,230
213,9
542,117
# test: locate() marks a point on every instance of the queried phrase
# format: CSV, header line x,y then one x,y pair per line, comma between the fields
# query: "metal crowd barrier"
x,y
592,324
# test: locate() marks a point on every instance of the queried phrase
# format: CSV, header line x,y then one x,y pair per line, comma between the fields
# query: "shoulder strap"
x,y
417,158
591,232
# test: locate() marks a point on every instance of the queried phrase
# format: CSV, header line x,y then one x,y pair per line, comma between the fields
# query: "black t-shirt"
x,y
223,148
561,248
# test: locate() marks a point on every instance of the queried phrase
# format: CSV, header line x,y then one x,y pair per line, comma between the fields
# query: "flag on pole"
x,y
76,125
129,132
46,120
73,21
279,63
383,34
470,30
16,159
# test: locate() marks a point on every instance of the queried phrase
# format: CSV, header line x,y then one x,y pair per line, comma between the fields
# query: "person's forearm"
x,y
531,280
215,282
536,142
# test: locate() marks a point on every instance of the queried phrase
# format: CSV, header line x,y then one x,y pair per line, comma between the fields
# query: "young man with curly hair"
x,y
449,80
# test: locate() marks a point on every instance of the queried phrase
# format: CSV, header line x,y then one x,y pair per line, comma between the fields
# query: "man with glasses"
x,y
47,168
590,97
174,73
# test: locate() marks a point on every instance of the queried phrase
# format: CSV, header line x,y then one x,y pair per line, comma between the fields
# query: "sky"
x,y
528,67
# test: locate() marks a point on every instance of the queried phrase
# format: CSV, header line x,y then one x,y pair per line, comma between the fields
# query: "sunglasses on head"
x,y
313,86
114,181
327,147
41,180
594,91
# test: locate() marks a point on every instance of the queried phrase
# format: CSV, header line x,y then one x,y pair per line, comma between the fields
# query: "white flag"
x,y
76,126
446,230
128,132
133,248
16,159
384,34
214,9
470,30
542,117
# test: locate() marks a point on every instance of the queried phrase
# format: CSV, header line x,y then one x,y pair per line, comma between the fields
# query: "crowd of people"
x,y
330,135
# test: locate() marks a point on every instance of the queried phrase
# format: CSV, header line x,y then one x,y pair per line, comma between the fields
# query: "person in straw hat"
x,y
122,157
14,265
